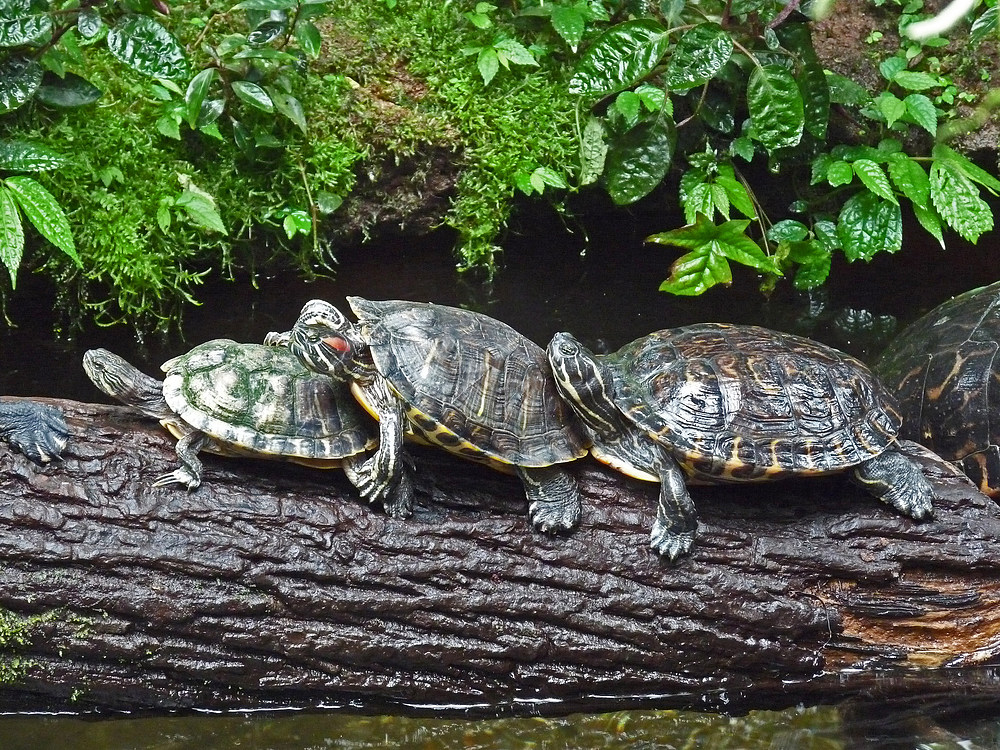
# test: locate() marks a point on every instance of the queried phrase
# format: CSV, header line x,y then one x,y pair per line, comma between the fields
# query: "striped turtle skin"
x,y
236,399
456,379
715,403
945,370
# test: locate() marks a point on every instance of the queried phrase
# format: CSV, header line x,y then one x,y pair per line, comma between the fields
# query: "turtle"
x,y
236,399
945,370
456,379
38,431
716,403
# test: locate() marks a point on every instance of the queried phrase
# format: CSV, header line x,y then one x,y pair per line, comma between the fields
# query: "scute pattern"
x,y
479,379
263,399
945,369
745,403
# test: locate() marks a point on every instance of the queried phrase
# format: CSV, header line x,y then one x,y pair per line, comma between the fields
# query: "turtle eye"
x,y
567,349
337,343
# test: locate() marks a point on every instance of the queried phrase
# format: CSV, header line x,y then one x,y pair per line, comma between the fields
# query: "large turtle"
x,y
729,403
241,400
38,431
457,379
945,369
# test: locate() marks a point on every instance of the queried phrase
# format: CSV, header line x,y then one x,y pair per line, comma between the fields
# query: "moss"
x,y
16,632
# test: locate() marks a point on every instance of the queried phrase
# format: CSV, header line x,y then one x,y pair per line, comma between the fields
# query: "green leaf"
x,y
297,222
910,179
776,107
569,23
289,106
873,178
593,150
488,64
44,212
983,26
26,26
550,177
814,260
638,161
619,58
913,80
651,96
194,97
200,209
163,218
327,202
696,197
628,103
11,235
815,99
67,92
254,95
891,107
265,5
169,126
697,272
839,173
742,147
25,156
309,38
869,225
727,239
20,78
923,112
930,221
147,47
699,55
891,67
966,167
511,50
736,191
788,230
957,201
89,23
845,91
266,32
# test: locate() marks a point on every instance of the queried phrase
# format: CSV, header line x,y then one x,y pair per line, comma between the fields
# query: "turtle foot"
x,y
178,476
551,518
669,543
399,503
36,430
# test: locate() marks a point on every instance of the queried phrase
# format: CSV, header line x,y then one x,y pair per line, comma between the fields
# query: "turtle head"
x,y
325,340
123,382
585,383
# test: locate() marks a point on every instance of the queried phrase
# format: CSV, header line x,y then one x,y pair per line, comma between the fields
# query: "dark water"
x,y
607,297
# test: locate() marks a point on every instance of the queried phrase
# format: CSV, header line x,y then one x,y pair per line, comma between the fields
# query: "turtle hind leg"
x,y
553,498
676,517
898,481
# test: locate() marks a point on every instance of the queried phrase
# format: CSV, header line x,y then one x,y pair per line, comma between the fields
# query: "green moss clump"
x,y
15,632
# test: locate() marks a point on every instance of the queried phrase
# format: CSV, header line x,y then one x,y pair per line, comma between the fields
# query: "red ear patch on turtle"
x,y
337,343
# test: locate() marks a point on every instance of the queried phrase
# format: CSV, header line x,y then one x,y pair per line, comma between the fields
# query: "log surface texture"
x,y
274,585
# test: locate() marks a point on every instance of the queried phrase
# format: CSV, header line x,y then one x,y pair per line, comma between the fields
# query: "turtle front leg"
x,y
676,518
36,430
553,498
399,503
189,472
898,481
379,477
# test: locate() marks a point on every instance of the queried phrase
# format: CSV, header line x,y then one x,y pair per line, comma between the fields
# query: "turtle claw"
x,y
178,476
669,543
36,430
551,518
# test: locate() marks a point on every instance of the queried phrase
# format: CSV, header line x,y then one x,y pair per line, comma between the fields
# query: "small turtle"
x,y
241,400
729,403
457,379
945,369
36,430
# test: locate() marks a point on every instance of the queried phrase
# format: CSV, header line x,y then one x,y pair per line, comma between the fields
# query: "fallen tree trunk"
x,y
273,585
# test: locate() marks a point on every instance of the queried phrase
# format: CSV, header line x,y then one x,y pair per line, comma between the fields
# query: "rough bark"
x,y
274,585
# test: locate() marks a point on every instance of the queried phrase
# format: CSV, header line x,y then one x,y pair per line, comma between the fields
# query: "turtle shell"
x,y
471,384
945,370
744,403
262,399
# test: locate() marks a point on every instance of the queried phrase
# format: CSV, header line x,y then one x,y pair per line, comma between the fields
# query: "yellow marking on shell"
x,y
361,398
484,386
933,394
625,468
425,371
234,451
456,445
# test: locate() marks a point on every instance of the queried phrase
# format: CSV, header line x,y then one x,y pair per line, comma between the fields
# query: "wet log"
x,y
273,585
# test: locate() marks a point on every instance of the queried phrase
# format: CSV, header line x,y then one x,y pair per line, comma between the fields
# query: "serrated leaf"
x,y
254,95
619,58
25,156
814,264
550,177
930,221
825,233
727,239
914,80
169,126
67,92
89,23
627,103
488,64
869,225
697,200
638,161
966,167
593,150
511,50
701,53
201,210
891,107
957,201
910,179
923,112
11,235
788,230
19,80
24,27
147,47
891,67
776,108
873,178
737,193
983,26
839,173
697,272
569,23
309,38
651,96
195,94
845,91
44,212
